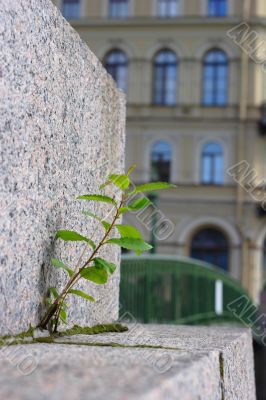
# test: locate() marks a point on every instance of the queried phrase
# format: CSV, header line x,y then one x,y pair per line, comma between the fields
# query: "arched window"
x,y
165,76
161,161
210,245
217,8
116,63
71,9
215,78
212,164
168,8
118,8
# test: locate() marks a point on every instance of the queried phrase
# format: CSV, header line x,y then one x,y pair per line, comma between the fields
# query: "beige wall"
x,y
188,125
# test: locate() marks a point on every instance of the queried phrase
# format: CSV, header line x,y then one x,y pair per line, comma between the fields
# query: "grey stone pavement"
x,y
148,362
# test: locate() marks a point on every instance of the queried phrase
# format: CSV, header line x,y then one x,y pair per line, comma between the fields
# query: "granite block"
x,y
161,362
62,126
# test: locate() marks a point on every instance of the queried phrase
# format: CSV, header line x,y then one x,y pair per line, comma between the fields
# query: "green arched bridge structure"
x,y
178,290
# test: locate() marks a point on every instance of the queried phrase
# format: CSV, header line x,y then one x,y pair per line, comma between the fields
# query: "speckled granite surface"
x,y
192,363
61,131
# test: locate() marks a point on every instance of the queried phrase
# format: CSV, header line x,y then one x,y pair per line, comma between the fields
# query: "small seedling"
x,y
96,269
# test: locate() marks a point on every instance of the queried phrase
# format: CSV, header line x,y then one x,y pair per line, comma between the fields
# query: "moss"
x,y
113,344
78,330
22,335
48,339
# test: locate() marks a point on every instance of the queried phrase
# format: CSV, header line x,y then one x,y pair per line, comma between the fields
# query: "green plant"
x,y
95,268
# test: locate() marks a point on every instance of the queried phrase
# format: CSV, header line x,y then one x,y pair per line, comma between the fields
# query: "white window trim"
x,y
152,138
219,138
105,9
155,9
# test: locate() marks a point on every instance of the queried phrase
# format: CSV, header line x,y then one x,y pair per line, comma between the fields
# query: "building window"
x,y
210,245
217,8
118,8
71,9
165,77
116,63
212,164
161,161
168,8
215,78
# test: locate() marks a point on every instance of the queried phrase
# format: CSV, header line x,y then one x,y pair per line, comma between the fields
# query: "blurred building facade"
x,y
195,110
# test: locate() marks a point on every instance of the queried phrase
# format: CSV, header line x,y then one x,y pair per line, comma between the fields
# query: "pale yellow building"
x,y
195,88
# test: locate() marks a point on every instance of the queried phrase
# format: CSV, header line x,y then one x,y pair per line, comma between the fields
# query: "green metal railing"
x,y
169,289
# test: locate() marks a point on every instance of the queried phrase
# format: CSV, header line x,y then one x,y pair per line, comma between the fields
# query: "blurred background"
x,y
194,75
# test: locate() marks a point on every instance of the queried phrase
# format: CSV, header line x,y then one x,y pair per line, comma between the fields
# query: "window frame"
x,y
69,14
217,6
167,13
118,15
220,250
119,64
170,160
215,102
215,179
164,66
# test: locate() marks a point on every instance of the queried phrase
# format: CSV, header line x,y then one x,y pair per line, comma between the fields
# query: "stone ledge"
x,y
148,362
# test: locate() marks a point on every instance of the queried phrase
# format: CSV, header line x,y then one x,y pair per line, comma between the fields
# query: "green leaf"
x,y
128,231
139,204
59,264
153,186
81,294
98,197
138,245
123,210
90,214
131,169
106,225
54,292
108,266
63,316
121,181
74,237
95,274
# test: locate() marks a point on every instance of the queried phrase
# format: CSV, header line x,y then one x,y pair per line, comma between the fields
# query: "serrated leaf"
x,y
81,294
128,231
153,186
138,245
121,181
98,197
95,274
59,264
139,204
90,214
106,225
63,316
54,292
73,236
123,210
108,266
131,169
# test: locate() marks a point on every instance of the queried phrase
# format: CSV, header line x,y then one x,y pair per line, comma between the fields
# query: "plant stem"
x,y
55,308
